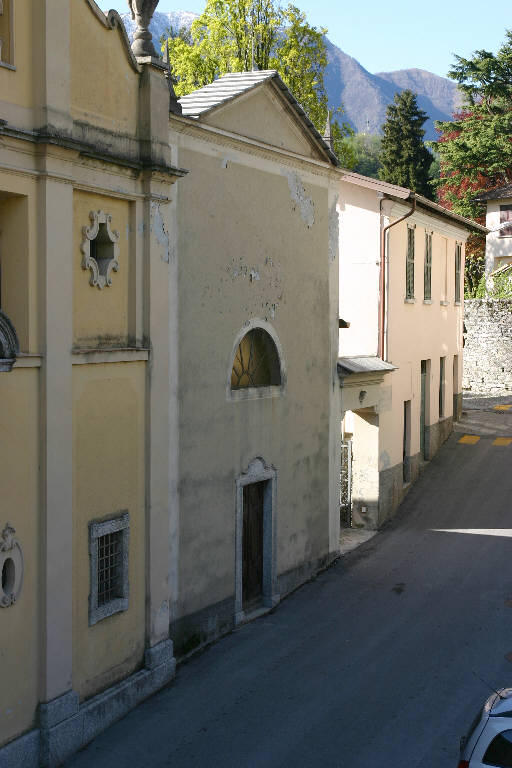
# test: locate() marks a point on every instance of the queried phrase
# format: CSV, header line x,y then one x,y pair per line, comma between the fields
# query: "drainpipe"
x,y
382,273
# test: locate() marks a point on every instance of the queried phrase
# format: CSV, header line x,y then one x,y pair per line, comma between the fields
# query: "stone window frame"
x,y
427,268
458,273
98,528
90,234
256,393
505,231
409,262
258,471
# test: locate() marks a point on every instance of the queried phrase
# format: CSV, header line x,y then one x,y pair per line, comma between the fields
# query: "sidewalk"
x,y
473,401
351,538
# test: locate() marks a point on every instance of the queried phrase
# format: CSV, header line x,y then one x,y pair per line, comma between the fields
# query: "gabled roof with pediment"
x,y
233,85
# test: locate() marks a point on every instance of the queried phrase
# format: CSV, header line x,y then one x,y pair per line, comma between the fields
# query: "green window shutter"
x,y
427,276
458,264
409,270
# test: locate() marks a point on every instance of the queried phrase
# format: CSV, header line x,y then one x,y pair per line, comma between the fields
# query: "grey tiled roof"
x,y
363,364
224,89
402,193
496,194
233,84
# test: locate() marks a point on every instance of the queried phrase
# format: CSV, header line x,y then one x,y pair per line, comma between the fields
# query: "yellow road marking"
x,y
502,441
469,439
502,407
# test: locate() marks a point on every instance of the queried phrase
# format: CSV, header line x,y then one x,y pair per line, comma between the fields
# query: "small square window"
x,y
108,553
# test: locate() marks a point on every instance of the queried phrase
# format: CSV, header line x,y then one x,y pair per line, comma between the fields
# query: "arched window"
x,y
256,362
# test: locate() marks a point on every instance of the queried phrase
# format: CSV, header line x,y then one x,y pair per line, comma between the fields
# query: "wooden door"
x,y
252,544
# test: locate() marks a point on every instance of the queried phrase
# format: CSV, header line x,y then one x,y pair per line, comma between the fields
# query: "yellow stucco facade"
x,y
79,405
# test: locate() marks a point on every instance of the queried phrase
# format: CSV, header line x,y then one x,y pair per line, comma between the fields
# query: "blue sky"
x,y
385,36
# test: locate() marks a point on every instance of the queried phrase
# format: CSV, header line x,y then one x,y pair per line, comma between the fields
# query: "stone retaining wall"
x,y
487,346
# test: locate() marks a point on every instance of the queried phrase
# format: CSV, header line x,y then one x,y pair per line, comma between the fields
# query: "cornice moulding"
x,y
213,135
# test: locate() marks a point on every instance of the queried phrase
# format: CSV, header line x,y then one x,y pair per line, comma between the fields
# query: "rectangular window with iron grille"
x,y
108,553
427,276
458,266
409,269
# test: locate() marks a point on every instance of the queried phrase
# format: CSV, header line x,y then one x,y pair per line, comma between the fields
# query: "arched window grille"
x,y
256,362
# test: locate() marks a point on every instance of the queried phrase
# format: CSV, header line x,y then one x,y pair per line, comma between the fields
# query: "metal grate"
x,y
256,362
346,484
109,567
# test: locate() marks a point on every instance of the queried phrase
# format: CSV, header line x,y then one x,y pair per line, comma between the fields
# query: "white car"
x,y
489,740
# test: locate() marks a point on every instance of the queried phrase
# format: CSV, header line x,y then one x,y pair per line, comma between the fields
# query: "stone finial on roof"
x,y
327,133
142,12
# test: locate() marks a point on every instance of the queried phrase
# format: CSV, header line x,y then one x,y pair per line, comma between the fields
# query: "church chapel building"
x,y
257,351
169,442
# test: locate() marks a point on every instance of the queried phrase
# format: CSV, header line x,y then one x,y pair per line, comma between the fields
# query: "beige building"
x,y
401,356
168,360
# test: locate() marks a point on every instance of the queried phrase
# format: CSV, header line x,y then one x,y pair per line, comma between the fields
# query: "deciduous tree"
x,y
239,35
476,147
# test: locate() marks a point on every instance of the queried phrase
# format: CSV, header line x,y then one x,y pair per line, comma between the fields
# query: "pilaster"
x,y
55,229
52,52
157,258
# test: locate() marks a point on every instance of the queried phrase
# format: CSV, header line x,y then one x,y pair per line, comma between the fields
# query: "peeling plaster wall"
x,y
160,232
300,198
251,245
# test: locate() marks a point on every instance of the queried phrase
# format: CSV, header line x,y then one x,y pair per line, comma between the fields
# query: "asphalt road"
x,y
376,663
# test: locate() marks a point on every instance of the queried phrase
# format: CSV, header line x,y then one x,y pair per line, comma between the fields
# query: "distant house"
x,y
400,366
498,246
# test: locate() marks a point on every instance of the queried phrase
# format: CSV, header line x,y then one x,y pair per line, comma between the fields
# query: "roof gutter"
x,y
382,274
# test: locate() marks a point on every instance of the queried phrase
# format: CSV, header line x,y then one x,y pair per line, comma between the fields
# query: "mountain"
x,y
364,96
160,24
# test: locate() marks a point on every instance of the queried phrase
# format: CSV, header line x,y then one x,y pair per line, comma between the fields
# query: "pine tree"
x,y
404,158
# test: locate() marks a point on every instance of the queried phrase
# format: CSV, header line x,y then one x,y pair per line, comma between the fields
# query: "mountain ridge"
x,y
364,96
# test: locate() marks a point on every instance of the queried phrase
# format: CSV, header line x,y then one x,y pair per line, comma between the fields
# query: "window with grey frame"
x,y
409,267
505,216
458,267
108,554
427,274
256,362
